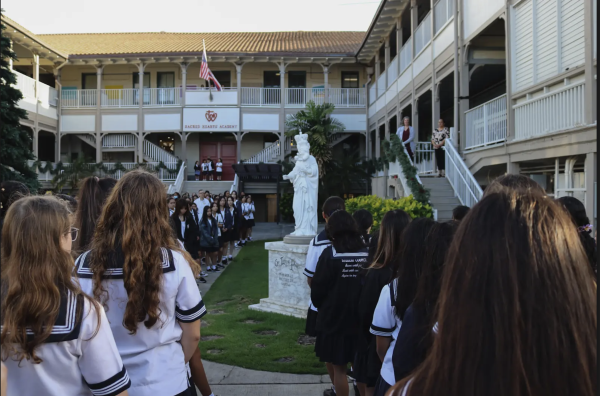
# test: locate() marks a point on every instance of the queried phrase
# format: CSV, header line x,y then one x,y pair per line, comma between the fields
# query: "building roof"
x,y
270,43
20,34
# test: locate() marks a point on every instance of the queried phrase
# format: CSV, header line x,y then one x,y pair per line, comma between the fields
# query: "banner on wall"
x,y
211,119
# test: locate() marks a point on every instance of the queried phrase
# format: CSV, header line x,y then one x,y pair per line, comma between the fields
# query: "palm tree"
x,y
316,121
73,173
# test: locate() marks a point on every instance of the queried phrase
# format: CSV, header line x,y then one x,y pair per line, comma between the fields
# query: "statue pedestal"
x,y
289,293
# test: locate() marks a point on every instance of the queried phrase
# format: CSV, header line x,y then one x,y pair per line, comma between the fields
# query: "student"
x,y
460,212
71,201
517,312
223,209
364,220
171,203
55,339
416,334
155,322
251,211
514,183
318,244
10,191
204,169
186,230
197,169
380,272
576,211
239,237
219,169
335,291
209,238
244,223
397,296
91,198
211,168
229,226
195,214
220,219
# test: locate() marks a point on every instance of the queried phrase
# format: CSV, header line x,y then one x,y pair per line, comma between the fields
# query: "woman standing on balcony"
x,y
406,133
197,170
438,139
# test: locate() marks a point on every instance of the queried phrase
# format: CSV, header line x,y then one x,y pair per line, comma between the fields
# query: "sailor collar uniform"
x,y
76,360
154,357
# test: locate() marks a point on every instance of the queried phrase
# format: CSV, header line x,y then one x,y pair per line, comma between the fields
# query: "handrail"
x,y
175,187
458,174
266,155
234,185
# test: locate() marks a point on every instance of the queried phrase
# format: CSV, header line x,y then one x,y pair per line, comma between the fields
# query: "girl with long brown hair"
x,y
55,339
90,200
138,271
381,271
517,308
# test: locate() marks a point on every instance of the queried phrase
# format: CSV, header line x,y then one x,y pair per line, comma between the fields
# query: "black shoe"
x,y
220,266
349,373
216,269
329,392
209,270
224,261
202,280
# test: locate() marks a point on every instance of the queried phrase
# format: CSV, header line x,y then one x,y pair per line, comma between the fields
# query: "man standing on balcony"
x,y
406,133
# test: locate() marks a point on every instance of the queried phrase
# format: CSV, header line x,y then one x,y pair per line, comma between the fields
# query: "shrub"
x,y
285,207
379,207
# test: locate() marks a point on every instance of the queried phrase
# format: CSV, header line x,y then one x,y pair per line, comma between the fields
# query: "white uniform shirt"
x,y
220,218
204,167
201,203
319,243
387,324
183,229
74,360
252,209
210,167
154,357
219,166
246,209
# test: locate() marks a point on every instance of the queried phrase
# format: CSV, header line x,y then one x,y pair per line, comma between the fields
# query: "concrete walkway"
x,y
228,380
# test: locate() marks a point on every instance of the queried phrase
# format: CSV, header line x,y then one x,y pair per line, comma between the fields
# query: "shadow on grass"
x,y
251,339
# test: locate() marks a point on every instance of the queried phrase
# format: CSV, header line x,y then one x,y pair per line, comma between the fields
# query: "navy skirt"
x,y
337,349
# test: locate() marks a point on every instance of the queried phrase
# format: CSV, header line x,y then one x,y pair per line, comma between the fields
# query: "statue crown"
x,y
301,137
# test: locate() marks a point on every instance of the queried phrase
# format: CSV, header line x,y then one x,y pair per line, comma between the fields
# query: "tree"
x,y
317,123
74,173
15,148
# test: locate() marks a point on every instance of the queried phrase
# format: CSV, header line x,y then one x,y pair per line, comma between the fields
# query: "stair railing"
x,y
465,187
176,186
266,155
157,154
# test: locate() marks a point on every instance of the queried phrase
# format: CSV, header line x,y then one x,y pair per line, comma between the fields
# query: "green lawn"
x,y
245,282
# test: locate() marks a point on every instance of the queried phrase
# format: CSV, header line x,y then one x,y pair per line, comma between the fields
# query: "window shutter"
x,y
523,60
547,39
572,33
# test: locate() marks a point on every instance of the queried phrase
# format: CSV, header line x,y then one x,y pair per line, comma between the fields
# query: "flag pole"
x,y
210,97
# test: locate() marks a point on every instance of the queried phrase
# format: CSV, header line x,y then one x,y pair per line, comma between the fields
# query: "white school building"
x,y
514,79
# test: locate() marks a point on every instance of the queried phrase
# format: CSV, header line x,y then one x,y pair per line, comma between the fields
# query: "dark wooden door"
x,y
209,149
229,157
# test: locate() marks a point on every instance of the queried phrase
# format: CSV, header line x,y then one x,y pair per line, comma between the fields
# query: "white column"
x,y
590,82
36,150
386,53
184,67
36,73
590,178
326,82
377,73
10,61
99,69
141,68
435,96
282,67
141,136
98,137
378,142
238,70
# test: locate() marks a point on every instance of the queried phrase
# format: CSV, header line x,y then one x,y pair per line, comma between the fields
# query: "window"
x,y
349,79
165,79
223,77
271,79
89,81
297,79
136,80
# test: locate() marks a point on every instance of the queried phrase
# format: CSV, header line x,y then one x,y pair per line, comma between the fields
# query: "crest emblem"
x,y
211,116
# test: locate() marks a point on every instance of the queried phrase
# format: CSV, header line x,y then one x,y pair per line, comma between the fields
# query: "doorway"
x,y
227,151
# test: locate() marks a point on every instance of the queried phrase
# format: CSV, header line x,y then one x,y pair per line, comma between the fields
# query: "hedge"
x,y
379,207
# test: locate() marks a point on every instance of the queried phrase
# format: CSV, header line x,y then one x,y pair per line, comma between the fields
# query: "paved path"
x,y
228,380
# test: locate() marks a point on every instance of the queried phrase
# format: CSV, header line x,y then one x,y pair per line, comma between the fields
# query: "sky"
x,y
93,16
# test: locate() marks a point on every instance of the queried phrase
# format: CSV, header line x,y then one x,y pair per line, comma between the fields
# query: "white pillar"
x,y
377,73
141,68
590,179
36,150
386,53
238,70
326,82
98,137
36,73
99,69
141,136
184,67
590,82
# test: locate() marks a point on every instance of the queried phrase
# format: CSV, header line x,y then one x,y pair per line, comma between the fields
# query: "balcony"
x,y
46,95
423,34
486,123
555,111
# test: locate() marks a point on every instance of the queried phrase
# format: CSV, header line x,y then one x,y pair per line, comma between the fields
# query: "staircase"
x,y
337,138
442,196
269,155
215,187
152,152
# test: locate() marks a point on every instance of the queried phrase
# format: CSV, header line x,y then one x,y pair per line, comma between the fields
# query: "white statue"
x,y
305,178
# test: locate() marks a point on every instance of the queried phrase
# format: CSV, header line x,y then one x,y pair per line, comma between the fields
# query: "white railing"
x,y
176,187
128,97
234,186
423,34
269,154
372,93
164,174
297,97
555,111
52,96
381,84
462,181
77,98
443,11
118,174
25,84
46,176
347,97
392,72
212,88
486,123
157,154
43,93
119,141
261,96
424,158
162,97
406,55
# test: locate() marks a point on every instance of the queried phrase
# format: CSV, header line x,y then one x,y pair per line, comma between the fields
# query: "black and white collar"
x,y
115,271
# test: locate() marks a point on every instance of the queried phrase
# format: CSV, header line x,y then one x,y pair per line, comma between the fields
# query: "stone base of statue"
x,y
298,240
289,293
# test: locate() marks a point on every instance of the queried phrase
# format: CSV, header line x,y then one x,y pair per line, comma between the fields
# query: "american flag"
x,y
205,72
